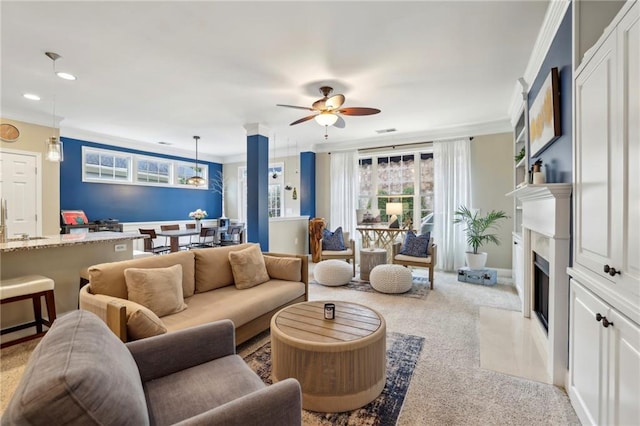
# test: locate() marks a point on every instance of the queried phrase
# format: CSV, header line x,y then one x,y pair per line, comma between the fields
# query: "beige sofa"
x,y
208,290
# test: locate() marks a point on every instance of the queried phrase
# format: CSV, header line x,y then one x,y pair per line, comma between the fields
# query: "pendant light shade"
x,y
54,150
196,180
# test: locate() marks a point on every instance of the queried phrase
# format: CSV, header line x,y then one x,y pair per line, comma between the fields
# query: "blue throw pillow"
x,y
416,245
333,241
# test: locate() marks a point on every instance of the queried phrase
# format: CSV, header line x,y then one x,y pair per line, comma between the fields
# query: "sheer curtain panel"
x,y
343,191
452,188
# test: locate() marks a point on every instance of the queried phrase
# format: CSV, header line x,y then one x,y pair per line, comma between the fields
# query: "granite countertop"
x,y
62,240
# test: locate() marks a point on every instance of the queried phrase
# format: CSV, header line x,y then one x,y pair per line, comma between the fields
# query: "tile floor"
x,y
508,345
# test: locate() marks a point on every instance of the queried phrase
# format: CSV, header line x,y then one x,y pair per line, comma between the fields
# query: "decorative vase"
x,y
198,225
476,260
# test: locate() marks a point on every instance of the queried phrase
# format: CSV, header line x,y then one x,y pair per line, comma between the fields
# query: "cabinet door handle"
x,y
610,270
605,322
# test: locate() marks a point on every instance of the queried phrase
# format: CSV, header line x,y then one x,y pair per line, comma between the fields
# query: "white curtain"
x,y
452,187
343,191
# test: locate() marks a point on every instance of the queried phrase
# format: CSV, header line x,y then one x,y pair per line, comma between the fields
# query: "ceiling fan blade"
x,y
339,123
319,105
358,111
334,102
297,107
303,119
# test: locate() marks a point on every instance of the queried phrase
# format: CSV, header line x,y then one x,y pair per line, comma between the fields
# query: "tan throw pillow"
x,y
248,267
141,322
284,268
159,289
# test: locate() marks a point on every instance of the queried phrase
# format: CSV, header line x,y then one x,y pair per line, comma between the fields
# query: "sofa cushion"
x,y
159,289
415,245
248,267
212,267
108,278
283,268
196,390
86,373
240,306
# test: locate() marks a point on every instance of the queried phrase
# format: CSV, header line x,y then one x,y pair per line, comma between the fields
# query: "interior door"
x,y
18,174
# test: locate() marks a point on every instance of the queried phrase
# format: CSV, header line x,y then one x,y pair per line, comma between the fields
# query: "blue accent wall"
x,y
557,157
308,184
258,190
130,203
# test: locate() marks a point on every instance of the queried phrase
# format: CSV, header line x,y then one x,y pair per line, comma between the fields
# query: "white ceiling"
x,y
165,71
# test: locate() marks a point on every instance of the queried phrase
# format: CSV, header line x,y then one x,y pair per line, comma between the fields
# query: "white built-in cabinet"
x,y
520,178
604,375
604,364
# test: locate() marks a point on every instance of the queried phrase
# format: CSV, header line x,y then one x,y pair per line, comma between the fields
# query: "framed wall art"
x,y
544,115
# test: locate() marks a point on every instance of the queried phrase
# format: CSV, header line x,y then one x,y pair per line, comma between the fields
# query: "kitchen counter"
x,y
50,241
61,258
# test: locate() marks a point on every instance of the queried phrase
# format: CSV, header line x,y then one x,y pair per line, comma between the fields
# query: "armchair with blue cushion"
x,y
337,245
417,251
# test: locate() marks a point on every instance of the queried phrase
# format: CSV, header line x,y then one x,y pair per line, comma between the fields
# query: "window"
x,y
105,166
149,170
275,200
397,178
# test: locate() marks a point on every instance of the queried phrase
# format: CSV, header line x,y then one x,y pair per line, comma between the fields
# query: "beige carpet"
x,y
448,386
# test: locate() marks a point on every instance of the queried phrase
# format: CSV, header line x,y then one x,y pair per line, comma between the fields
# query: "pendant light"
x,y
196,180
54,151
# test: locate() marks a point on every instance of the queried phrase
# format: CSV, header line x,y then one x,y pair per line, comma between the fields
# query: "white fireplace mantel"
x,y
546,211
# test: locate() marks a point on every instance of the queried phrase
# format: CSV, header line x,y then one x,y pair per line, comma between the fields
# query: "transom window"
x,y
105,166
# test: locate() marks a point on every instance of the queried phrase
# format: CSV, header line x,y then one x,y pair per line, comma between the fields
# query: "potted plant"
x,y
479,232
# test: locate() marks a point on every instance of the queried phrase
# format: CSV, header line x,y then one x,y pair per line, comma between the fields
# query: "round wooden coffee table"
x,y
340,363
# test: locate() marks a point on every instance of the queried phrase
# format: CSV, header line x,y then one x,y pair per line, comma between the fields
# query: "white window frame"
x,y
242,192
132,178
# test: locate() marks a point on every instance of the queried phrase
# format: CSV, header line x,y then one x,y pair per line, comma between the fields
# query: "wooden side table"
x,y
369,259
340,363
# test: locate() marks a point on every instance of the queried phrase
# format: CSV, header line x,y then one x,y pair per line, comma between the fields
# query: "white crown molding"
x,y
464,130
89,136
552,20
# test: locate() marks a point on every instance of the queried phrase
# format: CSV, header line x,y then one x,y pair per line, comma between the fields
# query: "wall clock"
x,y
9,132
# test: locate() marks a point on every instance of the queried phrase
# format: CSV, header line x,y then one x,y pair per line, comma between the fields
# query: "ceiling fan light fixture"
x,y
326,118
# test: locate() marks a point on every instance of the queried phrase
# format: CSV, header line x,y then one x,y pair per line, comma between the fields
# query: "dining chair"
x,y
150,243
208,237
167,240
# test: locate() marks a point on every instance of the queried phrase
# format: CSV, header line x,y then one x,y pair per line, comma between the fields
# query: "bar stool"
x,y
29,287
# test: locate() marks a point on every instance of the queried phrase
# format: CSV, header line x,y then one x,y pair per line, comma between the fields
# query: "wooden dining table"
x,y
175,235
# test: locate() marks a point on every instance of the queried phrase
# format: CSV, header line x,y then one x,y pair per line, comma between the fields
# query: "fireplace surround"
x,y
546,234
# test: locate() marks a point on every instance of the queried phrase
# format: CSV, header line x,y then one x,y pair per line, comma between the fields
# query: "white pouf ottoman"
x,y
391,279
333,272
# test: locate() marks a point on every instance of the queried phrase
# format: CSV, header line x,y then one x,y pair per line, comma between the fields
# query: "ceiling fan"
x,y
327,109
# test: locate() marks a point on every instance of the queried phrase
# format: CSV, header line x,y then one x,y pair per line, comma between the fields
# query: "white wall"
x,y
492,177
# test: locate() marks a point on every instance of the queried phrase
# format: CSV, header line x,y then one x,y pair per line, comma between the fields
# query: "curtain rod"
x,y
400,146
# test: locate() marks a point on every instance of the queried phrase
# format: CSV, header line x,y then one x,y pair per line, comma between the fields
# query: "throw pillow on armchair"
x,y
333,241
416,245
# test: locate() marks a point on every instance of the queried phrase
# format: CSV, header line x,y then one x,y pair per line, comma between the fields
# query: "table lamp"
x,y
394,209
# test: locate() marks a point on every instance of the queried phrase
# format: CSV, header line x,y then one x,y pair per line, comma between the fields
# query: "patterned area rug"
x,y
419,289
403,352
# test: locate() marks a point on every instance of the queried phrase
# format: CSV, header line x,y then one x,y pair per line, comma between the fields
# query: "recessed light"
x,y
66,75
31,96
164,143
389,130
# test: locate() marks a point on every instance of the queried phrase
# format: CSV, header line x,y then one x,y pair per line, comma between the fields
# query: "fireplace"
x,y
545,295
541,290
